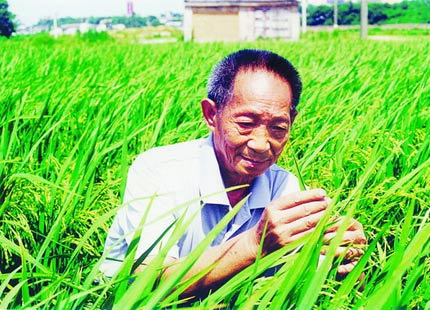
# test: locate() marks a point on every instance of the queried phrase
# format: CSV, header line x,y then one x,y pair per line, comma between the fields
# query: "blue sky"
x,y
28,12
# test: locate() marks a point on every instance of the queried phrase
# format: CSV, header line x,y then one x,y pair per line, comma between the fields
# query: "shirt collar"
x,y
210,176
211,181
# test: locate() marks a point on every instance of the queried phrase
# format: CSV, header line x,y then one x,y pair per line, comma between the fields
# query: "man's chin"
x,y
251,172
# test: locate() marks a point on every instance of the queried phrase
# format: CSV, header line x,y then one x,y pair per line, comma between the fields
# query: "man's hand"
x,y
289,218
352,243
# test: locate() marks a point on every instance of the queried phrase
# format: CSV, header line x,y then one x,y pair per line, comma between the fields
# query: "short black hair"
x,y
221,81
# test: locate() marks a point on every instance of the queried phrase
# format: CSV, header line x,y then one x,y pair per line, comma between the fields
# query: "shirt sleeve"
x,y
146,192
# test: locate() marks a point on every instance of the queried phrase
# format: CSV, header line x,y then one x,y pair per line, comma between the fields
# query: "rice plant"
x,y
75,113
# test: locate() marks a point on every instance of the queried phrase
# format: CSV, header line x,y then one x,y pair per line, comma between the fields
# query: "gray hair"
x,y
221,81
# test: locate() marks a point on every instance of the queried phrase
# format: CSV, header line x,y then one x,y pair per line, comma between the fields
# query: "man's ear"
x,y
209,111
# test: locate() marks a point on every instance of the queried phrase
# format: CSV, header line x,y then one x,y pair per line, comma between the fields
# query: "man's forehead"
x,y
261,85
260,112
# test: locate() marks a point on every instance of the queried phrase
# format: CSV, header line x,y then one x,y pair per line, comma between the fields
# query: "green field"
x,y
75,112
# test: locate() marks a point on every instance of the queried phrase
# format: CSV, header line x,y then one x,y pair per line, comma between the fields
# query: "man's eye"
x,y
280,128
246,125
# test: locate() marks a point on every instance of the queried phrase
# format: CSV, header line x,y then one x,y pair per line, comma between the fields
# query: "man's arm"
x,y
228,259
286,219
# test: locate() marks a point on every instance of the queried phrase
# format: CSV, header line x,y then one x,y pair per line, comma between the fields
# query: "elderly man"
x,y
251,105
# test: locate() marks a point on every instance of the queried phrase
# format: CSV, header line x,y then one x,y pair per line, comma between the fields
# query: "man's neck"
x,y
237,195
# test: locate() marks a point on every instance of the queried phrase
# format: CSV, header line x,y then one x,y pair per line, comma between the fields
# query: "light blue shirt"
x,y
185,174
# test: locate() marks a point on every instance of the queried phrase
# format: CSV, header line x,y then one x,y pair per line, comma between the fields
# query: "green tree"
x,y
416,11
320,15
153,21
349,14
6,20
377,13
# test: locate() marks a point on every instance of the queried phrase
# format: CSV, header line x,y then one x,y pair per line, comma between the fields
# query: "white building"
x,y
240,20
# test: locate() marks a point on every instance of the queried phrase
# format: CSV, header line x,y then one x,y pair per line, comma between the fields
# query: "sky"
x,y
28,12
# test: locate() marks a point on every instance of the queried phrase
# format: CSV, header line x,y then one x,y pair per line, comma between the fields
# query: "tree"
x,y
153,21
349,14
412,12
6,20
320,15
376,13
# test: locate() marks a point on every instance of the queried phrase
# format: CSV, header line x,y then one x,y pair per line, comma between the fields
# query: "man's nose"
x,y
259,141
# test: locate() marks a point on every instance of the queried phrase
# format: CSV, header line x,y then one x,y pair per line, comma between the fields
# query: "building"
x,y
170,19
39,28
240,20
71,29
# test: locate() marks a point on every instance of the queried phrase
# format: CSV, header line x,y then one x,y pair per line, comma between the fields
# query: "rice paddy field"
x,y
75,112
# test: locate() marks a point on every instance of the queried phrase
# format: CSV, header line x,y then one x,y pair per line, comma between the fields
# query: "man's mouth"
x,y
255,161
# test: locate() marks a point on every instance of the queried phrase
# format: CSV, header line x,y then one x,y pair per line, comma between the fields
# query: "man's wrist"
x,y
252,247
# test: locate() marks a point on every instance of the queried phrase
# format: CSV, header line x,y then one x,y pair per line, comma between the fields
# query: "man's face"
x,y
251,131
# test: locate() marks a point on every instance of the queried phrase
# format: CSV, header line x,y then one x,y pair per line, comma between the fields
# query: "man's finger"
x,y
352,225
306,223
348,253
301,235
346,268
298,198
349,237
304,210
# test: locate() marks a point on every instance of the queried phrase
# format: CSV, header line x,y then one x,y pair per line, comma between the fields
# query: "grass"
x,y
75,112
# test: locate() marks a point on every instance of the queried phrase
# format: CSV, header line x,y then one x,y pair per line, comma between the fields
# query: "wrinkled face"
x,y
251,131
